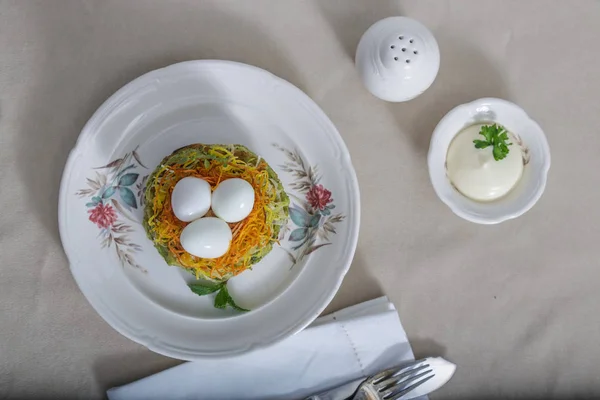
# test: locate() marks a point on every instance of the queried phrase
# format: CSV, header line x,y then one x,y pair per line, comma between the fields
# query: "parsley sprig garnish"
x,y
223,298
497,136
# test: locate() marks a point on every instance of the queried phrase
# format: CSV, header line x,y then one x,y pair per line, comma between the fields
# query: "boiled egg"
x,y
206,237
233,200
191,198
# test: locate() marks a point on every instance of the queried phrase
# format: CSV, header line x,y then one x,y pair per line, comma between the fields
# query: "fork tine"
x,y
393,371
396,396
396,379
405,386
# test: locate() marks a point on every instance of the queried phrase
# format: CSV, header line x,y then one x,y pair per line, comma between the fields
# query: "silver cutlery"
x,y
392,383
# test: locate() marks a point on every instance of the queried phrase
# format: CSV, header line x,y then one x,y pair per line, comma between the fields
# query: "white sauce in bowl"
x,y
475,173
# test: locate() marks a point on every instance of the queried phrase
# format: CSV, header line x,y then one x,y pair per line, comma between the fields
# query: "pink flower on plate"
x,y
319,197
103,215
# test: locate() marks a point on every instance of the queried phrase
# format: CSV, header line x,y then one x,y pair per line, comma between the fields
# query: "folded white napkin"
x,y
336,349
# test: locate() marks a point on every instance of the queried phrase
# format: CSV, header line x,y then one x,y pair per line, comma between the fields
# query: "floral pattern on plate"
x,y
116,189
312,220
113,193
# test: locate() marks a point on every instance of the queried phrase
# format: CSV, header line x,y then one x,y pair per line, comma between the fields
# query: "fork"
x,y
394,383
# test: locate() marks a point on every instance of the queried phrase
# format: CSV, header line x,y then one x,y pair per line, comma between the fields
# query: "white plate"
x,y
118,269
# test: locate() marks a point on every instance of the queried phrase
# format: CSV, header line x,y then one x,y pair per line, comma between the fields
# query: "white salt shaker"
x,y
397,58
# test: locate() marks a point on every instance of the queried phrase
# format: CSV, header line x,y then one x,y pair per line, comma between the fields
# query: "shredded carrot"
x,y
249,235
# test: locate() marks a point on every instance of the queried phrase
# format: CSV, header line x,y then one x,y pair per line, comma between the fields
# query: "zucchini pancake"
x,y
252,238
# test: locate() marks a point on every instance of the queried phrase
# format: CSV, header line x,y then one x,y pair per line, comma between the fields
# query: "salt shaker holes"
x,y
405,49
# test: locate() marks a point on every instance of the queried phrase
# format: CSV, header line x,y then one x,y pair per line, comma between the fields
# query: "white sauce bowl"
x,y
536,155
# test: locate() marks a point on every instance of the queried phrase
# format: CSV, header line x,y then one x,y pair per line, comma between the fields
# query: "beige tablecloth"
x,y
514,305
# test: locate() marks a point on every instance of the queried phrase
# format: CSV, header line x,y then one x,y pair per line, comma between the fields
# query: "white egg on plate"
x,y
191,198
233,200
208,237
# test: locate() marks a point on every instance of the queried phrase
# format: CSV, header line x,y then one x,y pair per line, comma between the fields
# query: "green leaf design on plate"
x,y
128,197
302,243
115,163
138,159
127,168
128,179
299,216
109,192
314,248
314,221
298,234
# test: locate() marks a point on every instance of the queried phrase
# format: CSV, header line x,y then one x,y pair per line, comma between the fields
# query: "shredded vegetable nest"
x,y
253,237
